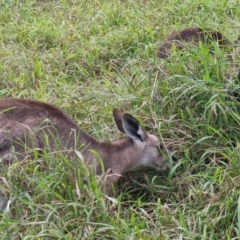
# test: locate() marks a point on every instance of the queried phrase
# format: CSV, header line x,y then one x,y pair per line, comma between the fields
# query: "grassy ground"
x,y
90,56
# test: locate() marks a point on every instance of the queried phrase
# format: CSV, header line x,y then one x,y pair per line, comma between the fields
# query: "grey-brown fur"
x,y
25,123
189,35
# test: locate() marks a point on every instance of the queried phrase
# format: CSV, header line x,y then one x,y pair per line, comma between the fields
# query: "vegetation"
x,y
88,57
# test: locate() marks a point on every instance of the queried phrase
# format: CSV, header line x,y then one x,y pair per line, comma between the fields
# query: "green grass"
x,y
88,57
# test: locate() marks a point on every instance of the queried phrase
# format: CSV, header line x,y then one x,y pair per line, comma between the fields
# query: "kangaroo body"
x,y
28,124
191,35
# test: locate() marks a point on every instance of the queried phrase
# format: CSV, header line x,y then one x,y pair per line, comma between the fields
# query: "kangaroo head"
x,y
147,150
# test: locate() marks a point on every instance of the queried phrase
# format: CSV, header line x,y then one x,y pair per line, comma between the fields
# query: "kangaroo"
x,y
189,35
28,124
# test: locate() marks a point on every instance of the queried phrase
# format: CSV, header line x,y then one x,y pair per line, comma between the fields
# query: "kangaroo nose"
x,y
164,166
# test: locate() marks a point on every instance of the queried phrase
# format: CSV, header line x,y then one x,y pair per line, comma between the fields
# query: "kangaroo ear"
x,y
118,117
132,128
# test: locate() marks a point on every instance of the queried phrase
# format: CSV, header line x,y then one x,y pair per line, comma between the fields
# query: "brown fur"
x,y
189,35
25,123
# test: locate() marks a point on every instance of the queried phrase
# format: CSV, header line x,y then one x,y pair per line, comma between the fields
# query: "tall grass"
x,y
90,56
